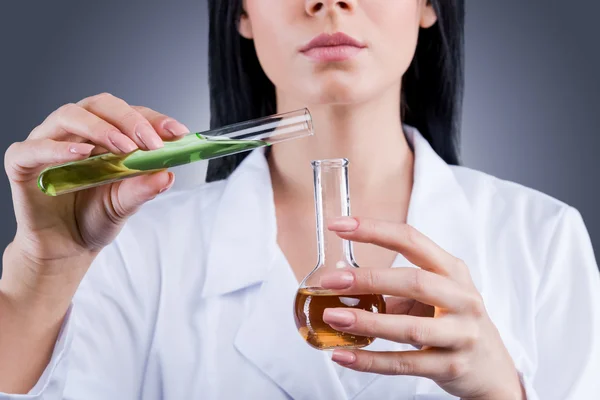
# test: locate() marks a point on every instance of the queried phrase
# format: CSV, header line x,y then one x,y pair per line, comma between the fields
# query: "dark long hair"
x,y
432,87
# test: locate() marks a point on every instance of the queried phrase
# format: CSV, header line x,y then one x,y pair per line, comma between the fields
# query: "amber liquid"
x,y
308,312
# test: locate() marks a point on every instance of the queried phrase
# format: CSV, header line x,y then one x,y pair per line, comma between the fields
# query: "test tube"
x,y
244,136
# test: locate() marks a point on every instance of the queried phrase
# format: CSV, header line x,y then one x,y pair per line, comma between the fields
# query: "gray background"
x,y
531,108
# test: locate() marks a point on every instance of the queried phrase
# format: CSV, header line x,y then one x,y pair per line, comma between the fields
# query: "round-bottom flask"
x,y
331,200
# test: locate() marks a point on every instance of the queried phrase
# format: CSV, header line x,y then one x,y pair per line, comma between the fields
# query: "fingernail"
x,y
148,136
81,148
343,357
337,280
176,128
169,184
339,318
343,224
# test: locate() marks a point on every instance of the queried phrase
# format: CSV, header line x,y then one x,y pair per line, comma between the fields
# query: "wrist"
x,y
37,288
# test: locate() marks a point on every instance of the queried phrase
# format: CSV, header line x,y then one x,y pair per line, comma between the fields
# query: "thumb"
x,y
100,223
129,195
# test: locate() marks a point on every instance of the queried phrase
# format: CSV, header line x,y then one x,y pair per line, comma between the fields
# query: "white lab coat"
x,y
193,300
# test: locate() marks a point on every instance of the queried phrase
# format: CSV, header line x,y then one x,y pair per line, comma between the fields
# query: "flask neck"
x,y
332,200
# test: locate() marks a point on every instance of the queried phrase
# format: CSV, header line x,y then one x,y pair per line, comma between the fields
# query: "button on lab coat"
x,y
193,300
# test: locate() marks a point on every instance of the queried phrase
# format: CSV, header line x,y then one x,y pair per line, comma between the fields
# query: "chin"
x,y
334,92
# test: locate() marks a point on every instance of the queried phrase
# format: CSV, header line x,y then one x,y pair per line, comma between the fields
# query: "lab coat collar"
x,y
244,237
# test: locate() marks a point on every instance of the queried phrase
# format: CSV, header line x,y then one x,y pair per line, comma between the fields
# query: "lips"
x,y
336,47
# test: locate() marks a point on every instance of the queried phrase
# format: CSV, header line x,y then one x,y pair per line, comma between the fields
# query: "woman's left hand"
x,y
436,308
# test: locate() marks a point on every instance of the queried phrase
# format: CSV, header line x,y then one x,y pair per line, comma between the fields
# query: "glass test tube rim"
x,y
303,117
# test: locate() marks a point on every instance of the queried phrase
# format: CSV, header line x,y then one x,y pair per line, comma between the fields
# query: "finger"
x,y
418,331
99,150
71,119
435,364
128,120
24,160
406,306
418,309
167,127
131,194
414,283
402,238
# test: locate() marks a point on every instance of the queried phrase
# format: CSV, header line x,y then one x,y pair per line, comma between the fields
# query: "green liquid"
x,y
107,168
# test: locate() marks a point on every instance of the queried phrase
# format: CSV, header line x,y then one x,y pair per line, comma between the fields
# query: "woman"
x,y
108,295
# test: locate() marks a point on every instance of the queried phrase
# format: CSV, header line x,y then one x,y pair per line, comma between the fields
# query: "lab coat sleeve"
x,y
104,341
568,317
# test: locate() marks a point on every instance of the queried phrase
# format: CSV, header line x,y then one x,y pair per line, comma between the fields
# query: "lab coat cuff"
x,y
51,384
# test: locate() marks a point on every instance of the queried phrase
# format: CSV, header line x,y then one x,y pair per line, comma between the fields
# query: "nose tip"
x,y
314,7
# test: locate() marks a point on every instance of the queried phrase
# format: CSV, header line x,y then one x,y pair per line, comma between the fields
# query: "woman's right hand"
x,y
71,229
58,238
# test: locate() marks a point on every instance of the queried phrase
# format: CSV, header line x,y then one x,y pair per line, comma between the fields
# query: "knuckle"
x,y
130,115
471,336
9,155
103,95
476,305
368,364
145,111
13,156
35,131
371,226
152,116
460,265
89,101
371,279
11,149
417,333
101,131
410,234
158,119
418,282
457,368
66,109
64,113
401,366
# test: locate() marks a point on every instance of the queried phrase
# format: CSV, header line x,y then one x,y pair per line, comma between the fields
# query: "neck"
x,y
369,134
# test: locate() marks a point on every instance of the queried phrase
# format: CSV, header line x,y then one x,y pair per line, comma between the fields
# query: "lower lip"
x,y
332,53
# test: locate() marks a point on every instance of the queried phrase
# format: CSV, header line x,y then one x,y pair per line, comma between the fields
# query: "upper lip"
x,y
337,39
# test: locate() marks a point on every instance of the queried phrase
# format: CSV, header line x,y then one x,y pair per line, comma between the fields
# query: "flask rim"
x,y
330,163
